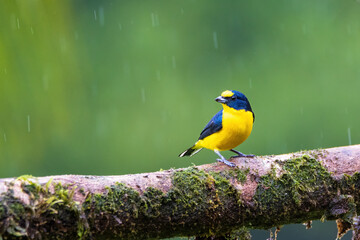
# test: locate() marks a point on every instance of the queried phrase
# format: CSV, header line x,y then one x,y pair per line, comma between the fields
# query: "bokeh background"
x,y
117,87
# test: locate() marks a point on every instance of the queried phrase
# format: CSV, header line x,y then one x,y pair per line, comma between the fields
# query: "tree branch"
x,y
203,201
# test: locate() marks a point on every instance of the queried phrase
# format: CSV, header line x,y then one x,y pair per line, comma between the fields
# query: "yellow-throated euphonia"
x,y
228,128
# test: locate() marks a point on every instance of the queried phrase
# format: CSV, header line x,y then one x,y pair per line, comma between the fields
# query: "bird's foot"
x,y
230,164
240,154
244,155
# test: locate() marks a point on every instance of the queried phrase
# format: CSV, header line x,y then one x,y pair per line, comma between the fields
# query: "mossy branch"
x,y
203,201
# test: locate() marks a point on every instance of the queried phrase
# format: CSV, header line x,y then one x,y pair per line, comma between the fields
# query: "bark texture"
x,y
203,201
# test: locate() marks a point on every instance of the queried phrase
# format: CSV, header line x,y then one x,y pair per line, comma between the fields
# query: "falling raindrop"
x,y
153,19
5,70
101,16
349,136
28,122
215,40
120,26
32,30
18,23
173,62
143,95
95,15
5,137
182,11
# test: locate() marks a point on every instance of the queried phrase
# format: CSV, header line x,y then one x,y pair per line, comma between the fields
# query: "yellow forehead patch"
x,y
227,93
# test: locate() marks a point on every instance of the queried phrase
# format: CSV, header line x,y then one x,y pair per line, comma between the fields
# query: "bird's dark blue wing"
x,y
213,126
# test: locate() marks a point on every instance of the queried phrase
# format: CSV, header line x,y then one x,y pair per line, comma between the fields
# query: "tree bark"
x,y
211,201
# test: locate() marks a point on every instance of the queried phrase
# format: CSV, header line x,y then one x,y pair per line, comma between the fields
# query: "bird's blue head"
x,y
234,99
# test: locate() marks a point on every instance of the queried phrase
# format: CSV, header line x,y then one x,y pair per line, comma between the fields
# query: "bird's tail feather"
x,y
191,151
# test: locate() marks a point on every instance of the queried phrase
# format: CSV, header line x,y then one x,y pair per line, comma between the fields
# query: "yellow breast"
x,y
236,128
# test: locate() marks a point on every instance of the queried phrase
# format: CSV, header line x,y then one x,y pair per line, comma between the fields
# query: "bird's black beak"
x,y
221,99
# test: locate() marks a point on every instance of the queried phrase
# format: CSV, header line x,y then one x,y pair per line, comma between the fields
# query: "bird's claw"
x,y
240,154
230,164
245,156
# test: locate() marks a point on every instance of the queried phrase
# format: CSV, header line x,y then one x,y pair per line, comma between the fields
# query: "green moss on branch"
x,y
45,214
198,203
191,206
305,190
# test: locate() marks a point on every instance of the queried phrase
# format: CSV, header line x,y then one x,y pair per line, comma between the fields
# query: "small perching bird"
x,y
228,128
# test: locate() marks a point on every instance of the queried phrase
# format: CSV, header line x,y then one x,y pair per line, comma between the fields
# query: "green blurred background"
x,y
116,87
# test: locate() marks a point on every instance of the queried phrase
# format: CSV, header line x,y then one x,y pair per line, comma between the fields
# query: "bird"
x,y
230,127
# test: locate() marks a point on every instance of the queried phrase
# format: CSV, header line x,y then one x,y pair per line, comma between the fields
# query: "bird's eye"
x,y
233,97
